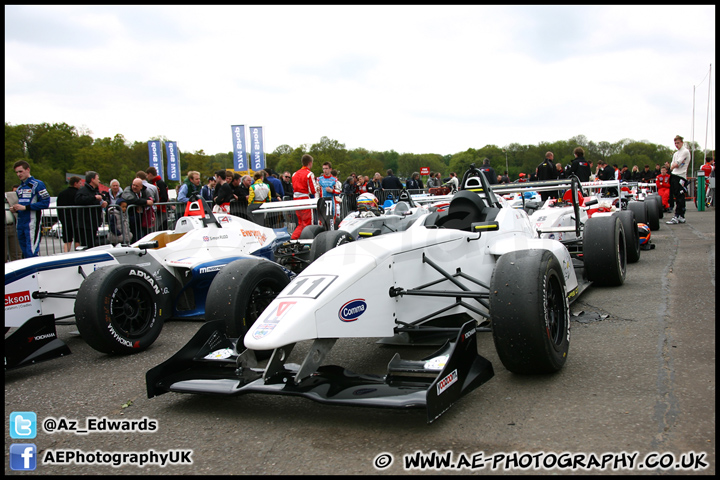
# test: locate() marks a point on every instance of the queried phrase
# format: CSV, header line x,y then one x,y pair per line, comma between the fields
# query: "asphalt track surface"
x,y
640,378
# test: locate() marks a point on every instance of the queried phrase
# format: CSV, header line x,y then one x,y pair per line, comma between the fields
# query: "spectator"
x,y
277,186
155,179
327,183
259,193
152,189
12,247
413,182
559,171
376,183
68,216
579,166
635,174
606,173
190,187
139,199
678,180
223,193
115,191
242,192
547,171
90,217
453,182
287,185
657,170
118,224
33,197
303,182
391,182
208,190
236,207
646,176
489,172
433,182
625,174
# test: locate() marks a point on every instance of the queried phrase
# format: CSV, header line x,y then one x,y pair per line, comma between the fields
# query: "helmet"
x,y
643,233
366,202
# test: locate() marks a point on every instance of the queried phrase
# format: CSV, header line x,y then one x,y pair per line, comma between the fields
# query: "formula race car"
x,y
369,220
120,296
478,267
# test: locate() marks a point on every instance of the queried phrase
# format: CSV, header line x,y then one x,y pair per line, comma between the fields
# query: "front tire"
x,y
241,291
529,312
605,251
326,241
627,218
120,309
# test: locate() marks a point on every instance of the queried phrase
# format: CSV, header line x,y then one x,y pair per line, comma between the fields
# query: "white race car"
x,y
120,296
479,267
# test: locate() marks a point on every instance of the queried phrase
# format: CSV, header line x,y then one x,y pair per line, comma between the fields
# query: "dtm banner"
x,y
238,133
155,150
173,159
257,155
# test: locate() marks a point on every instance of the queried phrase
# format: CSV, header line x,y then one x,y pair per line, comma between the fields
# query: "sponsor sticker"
x,y
268,323
437,363
352,310
445,383
219,354
17,298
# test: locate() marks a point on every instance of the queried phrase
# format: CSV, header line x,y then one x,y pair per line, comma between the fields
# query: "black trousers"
x,y
678,188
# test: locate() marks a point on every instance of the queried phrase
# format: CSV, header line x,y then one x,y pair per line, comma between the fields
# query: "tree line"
x,y
55,150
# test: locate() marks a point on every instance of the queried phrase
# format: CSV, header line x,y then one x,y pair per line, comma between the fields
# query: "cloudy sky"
x,y
415,79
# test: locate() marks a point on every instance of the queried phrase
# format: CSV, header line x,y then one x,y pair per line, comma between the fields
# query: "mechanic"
x,y
606,173
33,197
190,187
709,170
303,182
259,194
68,217
453,182
546,171
678,180
329,187
90,218
579,166
391,182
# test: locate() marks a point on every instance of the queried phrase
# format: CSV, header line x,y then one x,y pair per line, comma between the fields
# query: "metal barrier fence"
x,y
72,228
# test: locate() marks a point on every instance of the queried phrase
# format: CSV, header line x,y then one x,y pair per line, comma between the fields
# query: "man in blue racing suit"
x,y
328,187
33,197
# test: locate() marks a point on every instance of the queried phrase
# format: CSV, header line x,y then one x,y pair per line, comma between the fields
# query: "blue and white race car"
x,y
120,296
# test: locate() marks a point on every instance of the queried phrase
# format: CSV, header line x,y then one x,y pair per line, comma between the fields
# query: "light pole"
x,y
507,170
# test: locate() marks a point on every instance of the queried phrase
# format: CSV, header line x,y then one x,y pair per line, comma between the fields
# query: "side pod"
x,y
209,364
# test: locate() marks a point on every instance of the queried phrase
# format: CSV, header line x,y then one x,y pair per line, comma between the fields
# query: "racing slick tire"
x,y
640,211
120,309
241,291
632,238
327,241
605,250
311,231
657,199
653,217
529,312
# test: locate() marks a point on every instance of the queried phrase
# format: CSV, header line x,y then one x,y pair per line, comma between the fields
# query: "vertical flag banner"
x,y
155,151
238,133
258,156
173,159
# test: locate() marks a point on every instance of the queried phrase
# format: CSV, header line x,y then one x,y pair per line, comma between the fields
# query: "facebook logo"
x,y
23,456
23,425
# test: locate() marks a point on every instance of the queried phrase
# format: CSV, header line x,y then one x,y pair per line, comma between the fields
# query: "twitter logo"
x,y
23,425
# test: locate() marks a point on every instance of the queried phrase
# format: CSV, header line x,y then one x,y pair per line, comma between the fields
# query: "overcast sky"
x,y
415,79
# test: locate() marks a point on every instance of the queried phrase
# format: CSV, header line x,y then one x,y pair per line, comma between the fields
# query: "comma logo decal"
x,y
352,310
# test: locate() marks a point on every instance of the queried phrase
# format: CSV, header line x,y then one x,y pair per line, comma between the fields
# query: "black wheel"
x,y
241,291
658,200
120,309
311,231
653,218
604,251
327,241
529,312
632,239
640,211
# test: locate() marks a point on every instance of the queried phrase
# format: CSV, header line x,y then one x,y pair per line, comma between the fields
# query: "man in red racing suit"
x,y
303,182
662,182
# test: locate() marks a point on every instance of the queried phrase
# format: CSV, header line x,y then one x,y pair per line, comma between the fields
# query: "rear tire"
x,y
326,241
120,309
632,239
653,219
604,251
658,199
241,291
529,312
640,211
311,231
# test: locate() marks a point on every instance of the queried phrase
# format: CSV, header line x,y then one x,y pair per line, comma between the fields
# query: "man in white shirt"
x,y
678,180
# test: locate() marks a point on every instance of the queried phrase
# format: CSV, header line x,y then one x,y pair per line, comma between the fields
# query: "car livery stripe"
x,y
54,264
